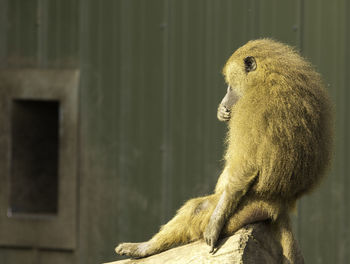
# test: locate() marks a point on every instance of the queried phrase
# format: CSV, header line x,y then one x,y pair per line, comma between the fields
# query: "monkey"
x,y
278,148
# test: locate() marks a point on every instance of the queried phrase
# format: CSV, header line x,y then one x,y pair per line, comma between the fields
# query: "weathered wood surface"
x,y
251,244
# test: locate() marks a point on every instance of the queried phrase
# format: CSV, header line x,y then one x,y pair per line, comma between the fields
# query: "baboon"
x,y
279,144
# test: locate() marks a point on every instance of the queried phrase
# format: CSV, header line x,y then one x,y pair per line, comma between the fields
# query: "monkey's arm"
x,y
225,207
222,212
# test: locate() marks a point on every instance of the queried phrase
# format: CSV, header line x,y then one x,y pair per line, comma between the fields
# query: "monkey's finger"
x,y
224,117
212,249
209,242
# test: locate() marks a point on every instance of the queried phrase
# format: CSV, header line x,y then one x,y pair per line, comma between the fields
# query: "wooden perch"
x,y
251,244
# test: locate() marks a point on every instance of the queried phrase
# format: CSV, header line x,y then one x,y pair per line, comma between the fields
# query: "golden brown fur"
x,y
289,143
278,148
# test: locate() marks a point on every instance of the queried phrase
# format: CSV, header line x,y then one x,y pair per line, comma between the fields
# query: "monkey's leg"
x,y
187,225
251,209
254,209
291,250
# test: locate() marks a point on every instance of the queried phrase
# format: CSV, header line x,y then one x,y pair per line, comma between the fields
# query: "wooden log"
x,y
251,244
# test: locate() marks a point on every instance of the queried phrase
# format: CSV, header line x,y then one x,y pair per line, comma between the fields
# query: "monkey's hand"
x,y
223,114
211,234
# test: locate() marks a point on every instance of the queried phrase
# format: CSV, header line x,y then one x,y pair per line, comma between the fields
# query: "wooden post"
x,y
249,245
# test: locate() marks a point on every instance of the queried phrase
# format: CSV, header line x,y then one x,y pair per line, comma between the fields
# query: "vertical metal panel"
x,y
54,257
10,256
279,20
99,130
345,155
3,31
57,23
121,124
22,32
323,230
40,33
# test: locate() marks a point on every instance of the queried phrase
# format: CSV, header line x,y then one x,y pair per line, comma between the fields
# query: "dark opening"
x,y
34,157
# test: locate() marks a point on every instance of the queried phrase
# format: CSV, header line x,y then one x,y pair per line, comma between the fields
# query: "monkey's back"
x,y
282,127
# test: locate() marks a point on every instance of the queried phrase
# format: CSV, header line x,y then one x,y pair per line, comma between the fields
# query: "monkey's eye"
x,y
249,64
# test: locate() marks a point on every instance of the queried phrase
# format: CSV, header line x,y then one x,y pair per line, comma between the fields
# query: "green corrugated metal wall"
x,y
150,85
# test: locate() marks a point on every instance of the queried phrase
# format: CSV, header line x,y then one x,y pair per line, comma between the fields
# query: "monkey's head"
x,y
260,64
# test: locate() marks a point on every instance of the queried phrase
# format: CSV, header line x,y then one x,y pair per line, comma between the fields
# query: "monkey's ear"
x,y
249,64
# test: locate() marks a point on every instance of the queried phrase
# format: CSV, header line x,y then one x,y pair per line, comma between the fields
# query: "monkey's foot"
x,y
211,235
135,250
223,114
